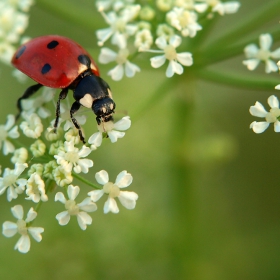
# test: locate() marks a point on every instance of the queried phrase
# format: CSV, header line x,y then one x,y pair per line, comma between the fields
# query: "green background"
x,y
209,205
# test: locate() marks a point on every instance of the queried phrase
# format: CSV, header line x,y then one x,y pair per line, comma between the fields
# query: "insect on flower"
x,y
46,60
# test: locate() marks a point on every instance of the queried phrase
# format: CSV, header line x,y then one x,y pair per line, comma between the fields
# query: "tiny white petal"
x,y
277,126
161,42
9,229
73,191
95,139
123,179
270,66
63,218
84,219
258,110
123,124
259,127
31,215
115,135
35,232
185,58
273,101
23,244
251,63
17,212
87,205
102,177
175,41
128,199
275,54
60,197
265,41
111,206
117,72
158,61
96,195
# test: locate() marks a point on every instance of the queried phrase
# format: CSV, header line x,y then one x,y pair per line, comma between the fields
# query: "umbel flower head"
x,y
272,116
22,227
255,55
75,209
126,198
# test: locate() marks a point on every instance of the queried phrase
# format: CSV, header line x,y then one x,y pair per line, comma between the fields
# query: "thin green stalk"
x,y
238,80
89,183
181,175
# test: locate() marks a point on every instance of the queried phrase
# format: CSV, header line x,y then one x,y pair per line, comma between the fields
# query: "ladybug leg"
x,y
29,91
62,96
75,107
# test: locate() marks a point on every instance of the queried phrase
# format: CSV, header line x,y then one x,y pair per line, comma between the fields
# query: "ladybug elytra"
x,y
58,62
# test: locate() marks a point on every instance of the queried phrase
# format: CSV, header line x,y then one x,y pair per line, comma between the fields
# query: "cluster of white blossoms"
x,y
254,56
13,22
54,162
160,27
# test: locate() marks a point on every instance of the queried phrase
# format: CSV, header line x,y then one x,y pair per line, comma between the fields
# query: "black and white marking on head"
x,y
87,100
52,44
20,52
46,68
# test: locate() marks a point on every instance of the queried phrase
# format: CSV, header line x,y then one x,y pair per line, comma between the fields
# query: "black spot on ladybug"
x,y
52,44
46,68
20,52
84,59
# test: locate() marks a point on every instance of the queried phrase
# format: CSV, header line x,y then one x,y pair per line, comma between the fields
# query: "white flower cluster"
x,y
131,30
255,56
51,163
13,22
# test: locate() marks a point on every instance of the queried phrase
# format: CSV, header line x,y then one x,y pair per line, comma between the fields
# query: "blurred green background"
x,y
209,196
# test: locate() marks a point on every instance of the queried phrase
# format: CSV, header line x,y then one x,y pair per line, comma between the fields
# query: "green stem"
x,y
242,81
89,183
182,174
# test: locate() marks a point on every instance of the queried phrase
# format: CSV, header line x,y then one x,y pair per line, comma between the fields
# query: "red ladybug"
x,y
58,62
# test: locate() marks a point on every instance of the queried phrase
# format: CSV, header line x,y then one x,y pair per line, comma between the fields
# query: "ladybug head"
x,y
103,109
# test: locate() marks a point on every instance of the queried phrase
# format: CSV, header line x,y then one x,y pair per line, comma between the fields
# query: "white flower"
x,y
21,227
38,148
112,130
74,209
272,116
12,182
61,177
32,105
143,39
123,64
175,59
32,126
35,188
127,199
13,22
20,155
73,158
222,8
119,28
8,131
255,55
184,21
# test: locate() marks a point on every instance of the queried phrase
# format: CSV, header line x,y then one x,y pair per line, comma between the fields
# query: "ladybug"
x,y
58,62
